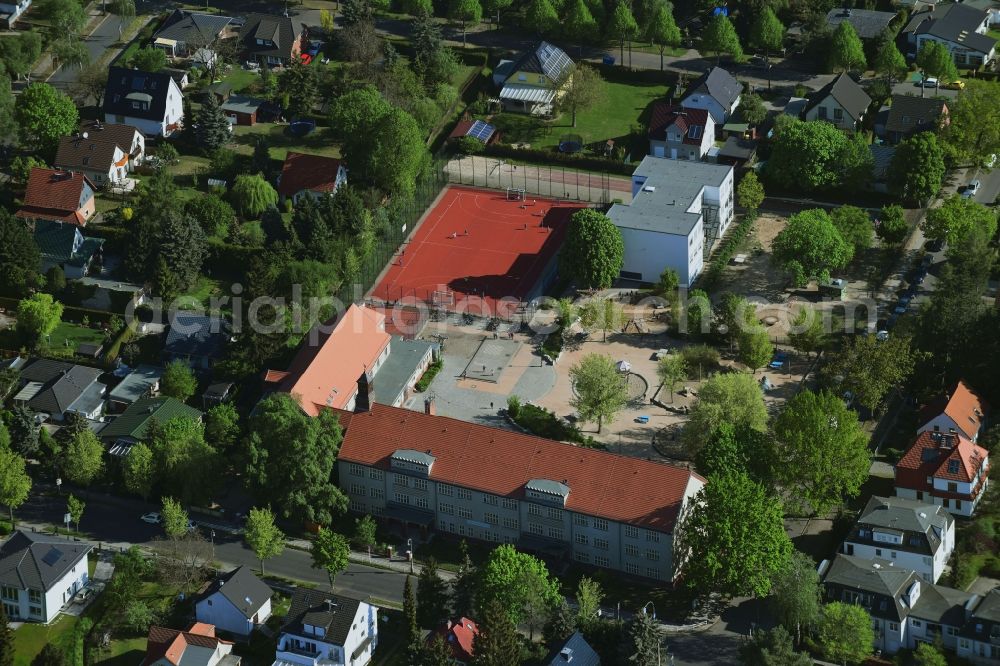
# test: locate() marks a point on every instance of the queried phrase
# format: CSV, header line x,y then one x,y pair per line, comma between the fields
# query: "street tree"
x,y
623,25
662,29
600,391
888,60
138,472
15,484
719,37
510,580
66,17
37,317
754,113
671,369
222,427
178,381
365,532
824,451
645,640
465,584
934,60
20,259
212,129
263,536
956,218
498,643
845,633
252,195
767,33
846,52
70,51
175,518
581,90
854,225
19,52
917,168
870,368
593,251
466,12
892,227
291,458
796,594
124,9
734,537
432,60
755,348
806,333
588,602
773,648
410,616
75,507
579,23
494,7
737,449
432,596
733,398
330,552
541,16
810,246
84,458
972,134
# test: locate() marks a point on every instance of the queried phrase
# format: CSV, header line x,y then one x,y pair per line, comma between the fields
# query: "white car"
x,y
153,518
971,189
929,82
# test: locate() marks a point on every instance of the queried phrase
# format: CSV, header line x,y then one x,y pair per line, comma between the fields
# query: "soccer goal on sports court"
x,y
515,194
443,298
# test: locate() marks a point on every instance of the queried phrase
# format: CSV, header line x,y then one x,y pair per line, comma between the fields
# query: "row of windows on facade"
x,y
402,481
13,594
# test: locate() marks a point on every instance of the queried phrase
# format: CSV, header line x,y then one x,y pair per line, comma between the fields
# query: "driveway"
x,y
100,41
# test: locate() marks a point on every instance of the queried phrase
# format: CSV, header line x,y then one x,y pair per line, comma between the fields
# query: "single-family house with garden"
x,y
316,176
237,602
131,425
945,469
151,102
185,32
62,244
909,115
270,40
197,646
961,410
867,23
679,133
103,152
716,91
54,194
962,28
574,650
59,389
326,628
40,575
532,82
196,339
140,383
842,102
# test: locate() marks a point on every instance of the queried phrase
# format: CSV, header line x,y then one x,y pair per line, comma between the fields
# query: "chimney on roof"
x,y
566,654
429,406
448,625
330,605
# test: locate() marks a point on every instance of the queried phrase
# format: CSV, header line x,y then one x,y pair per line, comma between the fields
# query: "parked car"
x,y
935,245
899,309
957,84
153,518
929,82
83,595
972,189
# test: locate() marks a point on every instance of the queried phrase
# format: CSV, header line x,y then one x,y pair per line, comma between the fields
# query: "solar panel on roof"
x,y
480,130
53,556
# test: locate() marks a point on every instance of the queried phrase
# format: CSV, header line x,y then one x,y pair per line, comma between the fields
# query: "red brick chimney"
x,y
429,406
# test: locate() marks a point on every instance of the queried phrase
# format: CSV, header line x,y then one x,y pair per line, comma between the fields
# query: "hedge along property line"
x,y
447,122
710,278
429,374
124,336
558,159
75,313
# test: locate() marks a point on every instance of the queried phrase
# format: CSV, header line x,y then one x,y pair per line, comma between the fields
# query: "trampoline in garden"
x,y
570,143
301,127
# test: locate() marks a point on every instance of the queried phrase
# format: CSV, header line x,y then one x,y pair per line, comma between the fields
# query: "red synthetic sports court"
x,y
478,243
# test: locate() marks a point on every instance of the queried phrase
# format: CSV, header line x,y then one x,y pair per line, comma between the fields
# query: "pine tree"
x,y
213,128
261,160
498,643
436,652
410,616
6,639
51,655
463,588
432,596
560,624
645,638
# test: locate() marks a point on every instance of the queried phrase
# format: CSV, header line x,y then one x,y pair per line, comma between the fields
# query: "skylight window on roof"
x,y
953,467
53,556
695,132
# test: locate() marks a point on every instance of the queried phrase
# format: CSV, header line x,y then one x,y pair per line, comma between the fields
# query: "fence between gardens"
x,y
560,182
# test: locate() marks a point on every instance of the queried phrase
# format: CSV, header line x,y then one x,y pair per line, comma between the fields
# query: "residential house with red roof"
x,y
336,369
477,482
61,196
198,646
458,636
961,410
310,175
944,468
680,133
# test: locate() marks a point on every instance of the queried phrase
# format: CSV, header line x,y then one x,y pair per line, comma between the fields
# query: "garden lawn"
x,y
75,335
202,291
31,638
280,141
619,107
239,78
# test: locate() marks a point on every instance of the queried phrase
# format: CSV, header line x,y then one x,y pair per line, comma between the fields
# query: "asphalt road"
x,y
101,40
112,524
990,189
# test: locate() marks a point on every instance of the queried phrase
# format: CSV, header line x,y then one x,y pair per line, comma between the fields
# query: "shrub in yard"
x,y
429,374
513,406
700,359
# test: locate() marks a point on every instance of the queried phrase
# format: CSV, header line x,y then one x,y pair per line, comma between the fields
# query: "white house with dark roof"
x,y
237,602
682,133
910,534
867,23
40,574
960,27
716,91
327,629
679,210
842,102
151,102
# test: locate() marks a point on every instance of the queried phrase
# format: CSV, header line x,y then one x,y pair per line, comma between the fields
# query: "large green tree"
x,y
600,391
662,29
854,225
222,427
733,398
581,90
893,227
750,191
810,246
19,52
733,539
432,596
330,552
579,23
868,368
807,333
934,60
808,156
846,52
291,458
184,461
824,451
212,129
738,449
957,217
972,134
20,259
252,195
151,59
511,579
755,348
593,252
397,154
181,244
624,27
138,470
178,381
845,633
644,642
719,37
917,168
796,593
541,16
888,61
767,33
44,115
15,484
263,536
466,12
498,643
773,648
37,317
84,458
